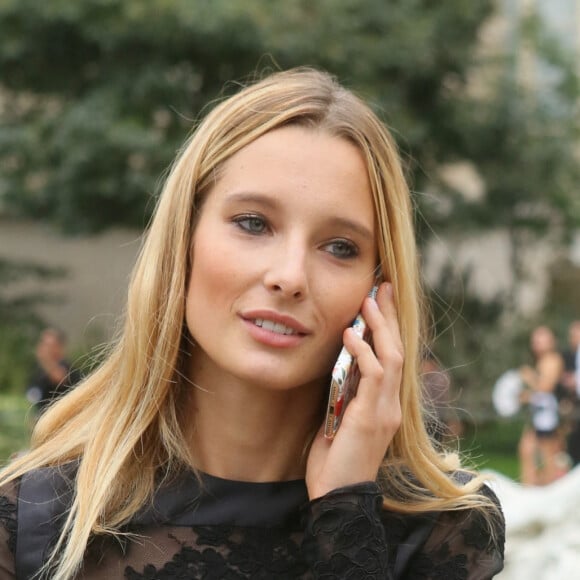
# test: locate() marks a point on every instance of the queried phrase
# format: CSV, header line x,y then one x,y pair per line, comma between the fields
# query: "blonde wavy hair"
x,y
124,423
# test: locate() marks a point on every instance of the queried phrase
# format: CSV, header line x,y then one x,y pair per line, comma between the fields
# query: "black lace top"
x,y
230,530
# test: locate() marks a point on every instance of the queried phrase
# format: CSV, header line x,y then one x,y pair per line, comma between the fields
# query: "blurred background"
x,y
96,96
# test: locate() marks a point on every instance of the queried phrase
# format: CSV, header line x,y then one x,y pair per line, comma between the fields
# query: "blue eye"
x,y
252,224
342,249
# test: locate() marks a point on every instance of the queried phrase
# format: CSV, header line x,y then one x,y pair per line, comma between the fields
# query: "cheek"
x,y
209,272
216,280
342,310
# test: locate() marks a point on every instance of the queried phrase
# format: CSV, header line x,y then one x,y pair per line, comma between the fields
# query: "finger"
x,y
388,348
372,376
376,406
386,304
363,353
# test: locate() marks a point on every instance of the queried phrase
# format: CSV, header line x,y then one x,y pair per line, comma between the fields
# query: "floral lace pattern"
x,y
346,534
229,553
8,521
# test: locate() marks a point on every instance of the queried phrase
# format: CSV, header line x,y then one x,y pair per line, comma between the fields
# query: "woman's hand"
x,y
373,417
529,376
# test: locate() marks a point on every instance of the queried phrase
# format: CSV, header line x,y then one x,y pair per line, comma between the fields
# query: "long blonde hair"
x,y
123,423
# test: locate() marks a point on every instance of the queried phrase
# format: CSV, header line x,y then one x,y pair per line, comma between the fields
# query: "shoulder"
x,y
464,540
457,541
551,361
484,485
479,526
32,509
44,498
486,506
476,518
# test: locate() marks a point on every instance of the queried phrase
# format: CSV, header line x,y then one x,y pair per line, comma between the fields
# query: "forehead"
x,y
51,334
542,333
304,164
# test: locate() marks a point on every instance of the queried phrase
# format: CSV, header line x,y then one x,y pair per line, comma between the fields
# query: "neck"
x,y
246,433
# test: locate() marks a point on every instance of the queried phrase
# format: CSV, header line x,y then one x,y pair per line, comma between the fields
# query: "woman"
x,y
542,443
53,374
196,449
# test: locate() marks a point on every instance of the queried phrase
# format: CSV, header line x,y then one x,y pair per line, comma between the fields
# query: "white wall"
x,y
487,259
93,293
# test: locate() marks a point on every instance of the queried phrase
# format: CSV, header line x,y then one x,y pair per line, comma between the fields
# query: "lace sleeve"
x,y
344,536
463,545
348,535
7,534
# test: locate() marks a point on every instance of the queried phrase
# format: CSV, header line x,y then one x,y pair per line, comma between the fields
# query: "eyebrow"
x,y
253,198
267,201
354,226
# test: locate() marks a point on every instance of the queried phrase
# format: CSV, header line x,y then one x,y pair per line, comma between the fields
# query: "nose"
x,y
287,274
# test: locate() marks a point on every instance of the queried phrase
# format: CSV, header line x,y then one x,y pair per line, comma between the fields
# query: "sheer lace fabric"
x,y
235,530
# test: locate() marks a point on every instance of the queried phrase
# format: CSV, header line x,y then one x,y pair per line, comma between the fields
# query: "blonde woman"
x,y
196,449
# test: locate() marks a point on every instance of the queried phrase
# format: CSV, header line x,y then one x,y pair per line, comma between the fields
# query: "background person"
x,y
541,443
197,449
53,375
571,382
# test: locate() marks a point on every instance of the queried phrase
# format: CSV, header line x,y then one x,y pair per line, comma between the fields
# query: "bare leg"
x,y
549,448
527,453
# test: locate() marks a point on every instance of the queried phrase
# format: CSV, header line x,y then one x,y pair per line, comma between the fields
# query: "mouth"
x,y
275,327
275,322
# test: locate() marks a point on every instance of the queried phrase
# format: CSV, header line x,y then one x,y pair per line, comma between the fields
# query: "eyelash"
x,y
248,219
351,249
348,249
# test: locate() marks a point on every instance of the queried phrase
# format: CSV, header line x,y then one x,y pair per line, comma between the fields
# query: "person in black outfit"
x,y
571,383
197,449
53,375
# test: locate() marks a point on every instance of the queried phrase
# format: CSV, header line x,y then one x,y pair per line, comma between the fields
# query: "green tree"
x,y
98,94
20,321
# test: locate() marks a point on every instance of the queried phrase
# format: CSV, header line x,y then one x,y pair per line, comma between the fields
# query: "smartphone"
x,y
345,378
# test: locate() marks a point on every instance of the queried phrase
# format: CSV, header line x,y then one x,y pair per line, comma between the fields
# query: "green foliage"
x,y
493,445
406,58
19,321
16,421
16,358
526,154
100,94
16,305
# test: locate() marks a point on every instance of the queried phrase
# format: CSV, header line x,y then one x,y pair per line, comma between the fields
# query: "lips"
x,y
275,322
276,327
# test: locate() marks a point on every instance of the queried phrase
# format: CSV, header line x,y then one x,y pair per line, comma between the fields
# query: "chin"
x,y
279,380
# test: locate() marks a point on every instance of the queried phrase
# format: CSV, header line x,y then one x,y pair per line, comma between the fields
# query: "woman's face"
x,y
542,341
283,255
574,335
